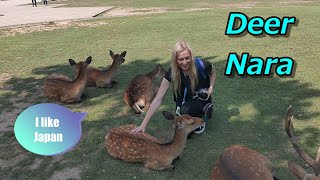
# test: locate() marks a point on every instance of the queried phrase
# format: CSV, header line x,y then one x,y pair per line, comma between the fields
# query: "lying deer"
x,y
237,162
104,78
295,169
142,89
62,88
142,147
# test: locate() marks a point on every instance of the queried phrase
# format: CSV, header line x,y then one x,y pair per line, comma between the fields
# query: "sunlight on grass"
x,y
247,112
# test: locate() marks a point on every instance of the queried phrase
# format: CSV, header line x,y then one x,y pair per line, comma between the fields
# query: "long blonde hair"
x,y
175,71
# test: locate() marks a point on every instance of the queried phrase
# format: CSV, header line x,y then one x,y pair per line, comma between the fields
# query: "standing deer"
x,y
142,147
62,88
104,78
142,89
237,163
295,169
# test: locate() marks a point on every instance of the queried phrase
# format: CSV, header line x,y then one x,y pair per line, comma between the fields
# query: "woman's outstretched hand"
x,y
141,128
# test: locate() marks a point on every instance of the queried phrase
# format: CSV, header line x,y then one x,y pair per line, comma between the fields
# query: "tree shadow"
x,y
31,88
248,111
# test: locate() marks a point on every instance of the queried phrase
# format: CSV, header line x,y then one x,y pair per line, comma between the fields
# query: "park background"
x,y
249,111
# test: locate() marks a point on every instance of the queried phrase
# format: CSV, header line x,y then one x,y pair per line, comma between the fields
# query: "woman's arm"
x,y
153,106
213,77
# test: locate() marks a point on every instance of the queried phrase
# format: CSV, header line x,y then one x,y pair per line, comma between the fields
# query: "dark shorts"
x,y
197,108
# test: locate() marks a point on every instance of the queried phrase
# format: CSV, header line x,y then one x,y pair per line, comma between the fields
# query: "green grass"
x,y
248,111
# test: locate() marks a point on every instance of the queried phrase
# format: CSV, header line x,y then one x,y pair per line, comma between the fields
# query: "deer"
x,y
237,162
294,168
61,88
142,147
105,78
142,89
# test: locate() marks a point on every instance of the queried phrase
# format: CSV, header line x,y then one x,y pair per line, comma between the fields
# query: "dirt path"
x,y
20,12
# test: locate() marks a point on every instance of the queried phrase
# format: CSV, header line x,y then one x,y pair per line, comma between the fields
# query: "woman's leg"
x,y
193,108
198,108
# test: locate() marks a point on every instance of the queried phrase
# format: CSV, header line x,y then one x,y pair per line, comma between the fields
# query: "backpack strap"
x,y
200,67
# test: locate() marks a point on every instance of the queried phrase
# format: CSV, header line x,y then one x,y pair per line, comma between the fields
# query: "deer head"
x,y
184,122
118,58
81,65
295,169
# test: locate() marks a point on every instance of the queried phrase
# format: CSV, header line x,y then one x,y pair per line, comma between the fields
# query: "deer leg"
x,y
157,165
137,108
70,101
170,168
101,84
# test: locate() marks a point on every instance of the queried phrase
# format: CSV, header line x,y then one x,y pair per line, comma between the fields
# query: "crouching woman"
x,y
193,82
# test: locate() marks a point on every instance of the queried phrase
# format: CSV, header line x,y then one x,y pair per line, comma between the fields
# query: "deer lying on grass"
x,y
100,78
142,147
237,162
142,89
62,88
295,169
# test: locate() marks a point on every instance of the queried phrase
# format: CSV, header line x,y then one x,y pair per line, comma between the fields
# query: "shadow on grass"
x,y
248,111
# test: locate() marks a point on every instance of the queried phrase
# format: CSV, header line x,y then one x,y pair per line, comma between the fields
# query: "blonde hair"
x,y
175,71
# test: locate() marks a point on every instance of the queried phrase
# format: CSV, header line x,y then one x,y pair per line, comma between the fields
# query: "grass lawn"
x,y
248,110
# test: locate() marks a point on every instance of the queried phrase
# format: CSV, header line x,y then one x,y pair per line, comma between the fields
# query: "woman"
x,y
193,83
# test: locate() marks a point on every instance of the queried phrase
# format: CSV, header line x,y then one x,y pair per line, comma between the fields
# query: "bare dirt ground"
x,y
119,11
66,24
48,27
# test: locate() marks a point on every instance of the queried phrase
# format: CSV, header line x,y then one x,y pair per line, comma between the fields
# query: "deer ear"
x,y
168,115
88,60
111,53
123,54
72,62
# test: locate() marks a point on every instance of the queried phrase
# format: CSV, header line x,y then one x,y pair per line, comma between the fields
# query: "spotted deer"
x,y
142,89
238,162
294,168
145,148
61,88
105,78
